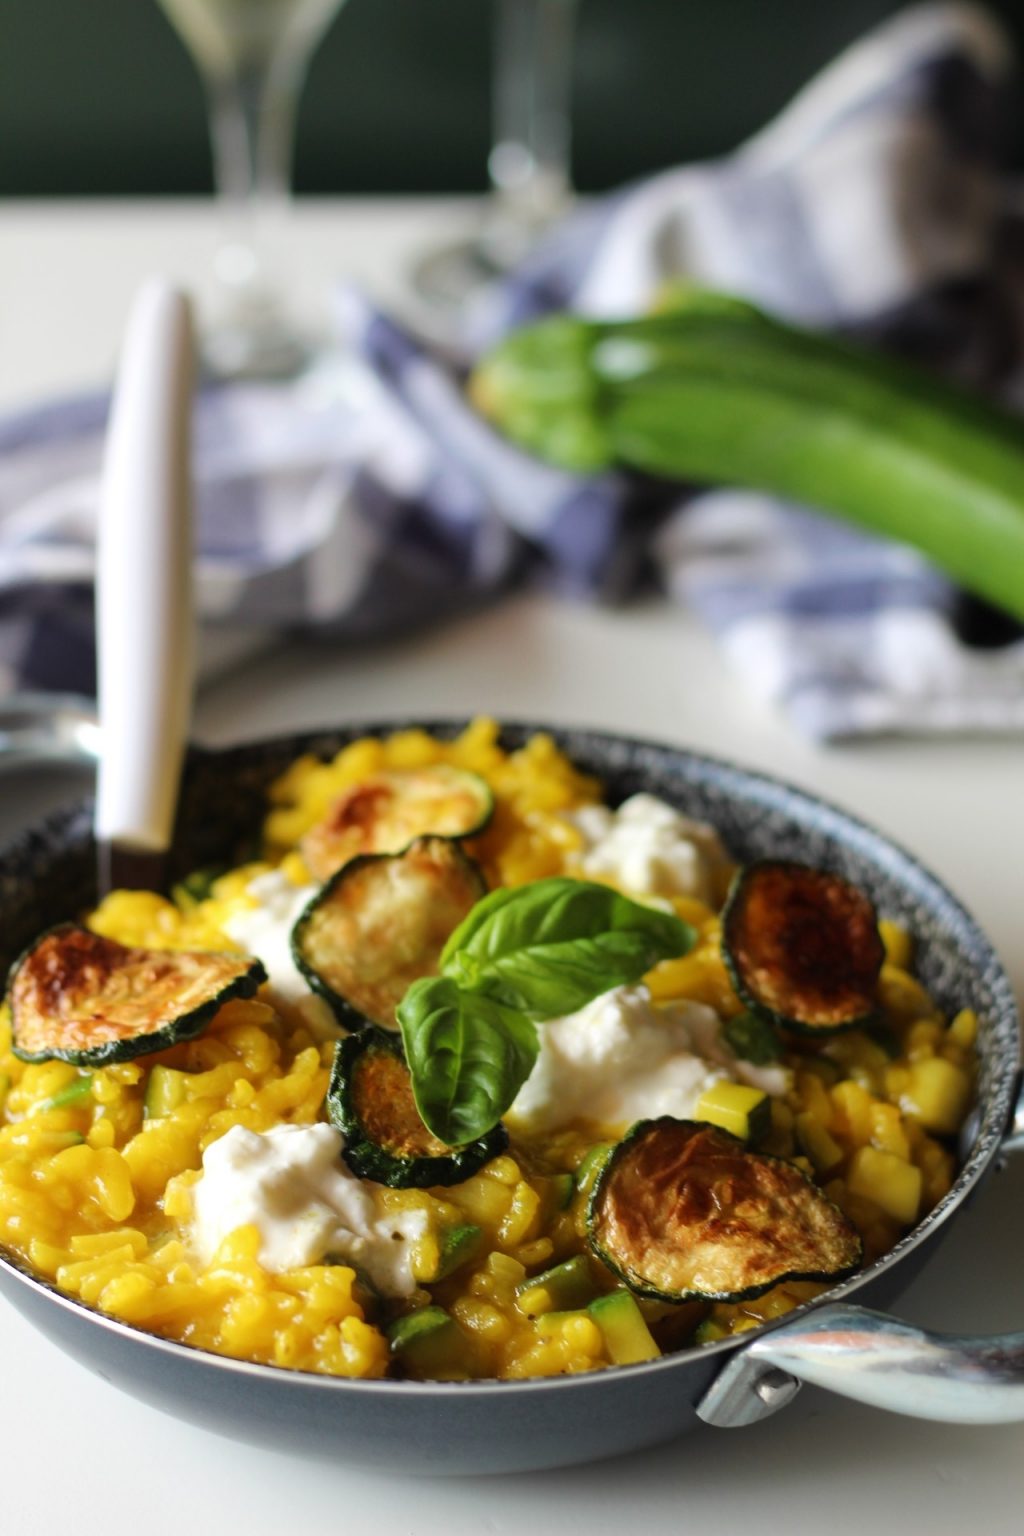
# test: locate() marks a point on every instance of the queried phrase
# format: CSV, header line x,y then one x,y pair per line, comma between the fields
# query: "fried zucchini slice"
x,y
381,923
802,947
370,1100
89,1000
385,813
684,1212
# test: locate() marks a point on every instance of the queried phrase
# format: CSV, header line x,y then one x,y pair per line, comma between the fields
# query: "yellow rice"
x,y
97,1198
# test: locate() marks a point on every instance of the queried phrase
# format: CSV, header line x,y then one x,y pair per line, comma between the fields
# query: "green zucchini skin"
x,y
346,1009
368,1156
404,1332
733,914
717,392
170,1032
751,1037
630,1277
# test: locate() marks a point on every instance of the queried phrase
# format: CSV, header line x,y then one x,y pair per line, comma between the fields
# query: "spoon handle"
x,y
144,613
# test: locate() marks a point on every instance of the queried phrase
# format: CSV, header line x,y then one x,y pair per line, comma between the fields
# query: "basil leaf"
x,y
548,948
468,1057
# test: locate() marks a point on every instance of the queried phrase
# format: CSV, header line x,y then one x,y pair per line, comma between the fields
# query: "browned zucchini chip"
x,y
385,813
802,947
371,1101
683,1212
90,1000
381,923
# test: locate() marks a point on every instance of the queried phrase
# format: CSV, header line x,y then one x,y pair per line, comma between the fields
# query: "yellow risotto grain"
x,y
100,1198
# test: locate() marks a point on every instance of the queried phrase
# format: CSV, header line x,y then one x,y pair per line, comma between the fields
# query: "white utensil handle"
x,y
144,620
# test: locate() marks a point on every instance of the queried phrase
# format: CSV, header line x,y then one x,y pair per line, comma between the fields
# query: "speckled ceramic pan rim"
x,y
757,816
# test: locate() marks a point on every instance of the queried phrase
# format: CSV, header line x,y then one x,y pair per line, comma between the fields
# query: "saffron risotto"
x,y
95,1191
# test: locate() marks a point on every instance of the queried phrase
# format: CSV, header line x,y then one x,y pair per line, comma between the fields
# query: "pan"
x,y
841,1341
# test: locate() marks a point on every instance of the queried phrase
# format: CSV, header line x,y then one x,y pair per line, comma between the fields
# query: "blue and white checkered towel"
x,y
366,497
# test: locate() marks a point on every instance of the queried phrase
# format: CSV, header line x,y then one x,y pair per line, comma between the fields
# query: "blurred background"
x,y
343,445
102,98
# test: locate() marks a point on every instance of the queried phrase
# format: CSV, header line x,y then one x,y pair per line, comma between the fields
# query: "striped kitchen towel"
x,y
365,497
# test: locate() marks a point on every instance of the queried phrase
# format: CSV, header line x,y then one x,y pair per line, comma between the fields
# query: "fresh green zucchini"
x,y
196,887
426,1343
802,947
752,1039
624,1332
716,392
165,1090
415,1325
459,1245
743,1111
429,1345
709,1331
627,1338
684,1212
558,1190
591,1163
75,1093
370,1100
385,813
79,997
564,1288
380,923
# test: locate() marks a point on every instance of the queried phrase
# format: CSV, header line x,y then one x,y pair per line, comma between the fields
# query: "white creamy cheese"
x,y
623,1058
290,1182
649,849
264,930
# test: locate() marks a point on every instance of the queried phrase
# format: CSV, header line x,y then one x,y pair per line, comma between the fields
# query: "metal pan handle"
x,y
47,727
876,1360
1013,1141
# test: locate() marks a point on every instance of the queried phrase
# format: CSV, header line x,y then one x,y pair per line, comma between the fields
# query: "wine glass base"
x,y
447,278
237,352
450,275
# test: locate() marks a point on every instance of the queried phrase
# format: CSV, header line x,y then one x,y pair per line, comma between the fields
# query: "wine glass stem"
x,y
252,120
530,160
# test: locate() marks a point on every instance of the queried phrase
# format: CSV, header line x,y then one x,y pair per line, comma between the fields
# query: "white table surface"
x,y
82,1457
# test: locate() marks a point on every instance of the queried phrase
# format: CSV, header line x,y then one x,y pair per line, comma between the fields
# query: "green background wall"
x,y
98,96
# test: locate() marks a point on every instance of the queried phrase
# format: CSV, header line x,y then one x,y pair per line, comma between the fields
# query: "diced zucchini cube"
x,y
899,946
590,1166
888,1132
891,1183
560,1188
165,1090
416,1325
566,1287
824,1152
937,1095
963,1030
428,1343
746,1112
853,1105
627,1337
458,1245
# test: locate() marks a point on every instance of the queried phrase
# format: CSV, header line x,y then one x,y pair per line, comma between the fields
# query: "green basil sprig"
x,y
464,1053
522,955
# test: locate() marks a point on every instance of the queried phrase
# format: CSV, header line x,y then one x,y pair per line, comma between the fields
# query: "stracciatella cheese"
x,y
648,848
624,1058
264,929
291,1183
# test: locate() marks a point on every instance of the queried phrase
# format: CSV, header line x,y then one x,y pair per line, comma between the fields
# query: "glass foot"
x,y
247,352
